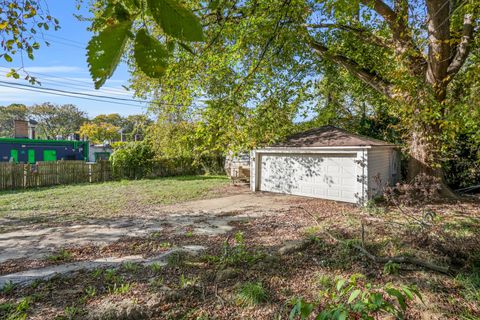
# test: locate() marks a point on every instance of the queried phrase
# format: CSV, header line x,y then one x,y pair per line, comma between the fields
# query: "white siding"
x,y
343,174
382,168
253,171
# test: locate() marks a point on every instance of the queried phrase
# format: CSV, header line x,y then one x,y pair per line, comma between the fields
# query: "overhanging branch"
x,y
463,48
370,78
361,32
398,23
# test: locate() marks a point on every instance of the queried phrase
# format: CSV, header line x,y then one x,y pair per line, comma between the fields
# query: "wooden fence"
x,y
42,174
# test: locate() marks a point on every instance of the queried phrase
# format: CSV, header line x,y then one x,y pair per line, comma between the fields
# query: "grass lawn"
x,y
104,199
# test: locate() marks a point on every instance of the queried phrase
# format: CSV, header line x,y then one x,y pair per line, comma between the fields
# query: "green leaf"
x,y
121,13
340,284
213,4
131,4
176,20
354,295
301,308
105,50
400,298
343,315
150,55
186,47
7,58
408,293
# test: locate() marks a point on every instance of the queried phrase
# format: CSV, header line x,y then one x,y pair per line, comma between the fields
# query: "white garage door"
x,y
327,176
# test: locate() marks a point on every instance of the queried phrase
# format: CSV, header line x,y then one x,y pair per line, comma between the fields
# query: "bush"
x,y
137,160
132,160
352,299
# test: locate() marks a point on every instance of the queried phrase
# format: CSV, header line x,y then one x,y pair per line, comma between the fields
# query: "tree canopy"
x,y
273,63
21,23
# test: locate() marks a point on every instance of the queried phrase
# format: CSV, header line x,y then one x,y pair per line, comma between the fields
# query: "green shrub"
x,y
132,160
251,294
353,299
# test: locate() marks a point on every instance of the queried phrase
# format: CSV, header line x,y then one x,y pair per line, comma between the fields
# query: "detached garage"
x,y
328,163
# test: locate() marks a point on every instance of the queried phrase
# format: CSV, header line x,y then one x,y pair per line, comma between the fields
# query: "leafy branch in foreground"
x,y
116,29
21,23
353,299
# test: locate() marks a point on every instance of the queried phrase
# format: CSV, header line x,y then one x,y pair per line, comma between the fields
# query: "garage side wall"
x,y
253,171
382,170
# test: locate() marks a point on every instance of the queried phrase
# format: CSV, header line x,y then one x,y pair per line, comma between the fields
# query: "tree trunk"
x,y
424,156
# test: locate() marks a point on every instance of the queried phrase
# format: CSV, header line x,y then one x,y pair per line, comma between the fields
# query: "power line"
x,y
76,86
72,82
64,43
84,95
65,39
74,93
69,95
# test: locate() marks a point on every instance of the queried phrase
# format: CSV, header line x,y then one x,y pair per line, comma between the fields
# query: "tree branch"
x,y
367,76
439,49
363,33
398,24
463,48
377,259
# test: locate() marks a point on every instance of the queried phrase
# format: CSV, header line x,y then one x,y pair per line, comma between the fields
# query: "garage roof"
x,y
329,136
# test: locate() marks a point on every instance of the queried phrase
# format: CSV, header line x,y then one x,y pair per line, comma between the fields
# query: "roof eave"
x,y
330,147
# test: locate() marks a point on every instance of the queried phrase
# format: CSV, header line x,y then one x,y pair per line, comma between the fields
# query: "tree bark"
x,y
422,152
424,156
441,63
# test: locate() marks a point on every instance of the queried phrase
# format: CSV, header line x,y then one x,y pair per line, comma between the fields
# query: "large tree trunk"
x,y
424,152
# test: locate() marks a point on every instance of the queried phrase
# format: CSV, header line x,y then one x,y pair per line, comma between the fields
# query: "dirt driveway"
x,y
206,217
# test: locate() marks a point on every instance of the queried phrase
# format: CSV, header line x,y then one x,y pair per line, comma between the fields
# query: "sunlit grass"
x,y
103,199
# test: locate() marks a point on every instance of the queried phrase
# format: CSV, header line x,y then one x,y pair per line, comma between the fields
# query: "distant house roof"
x,y
329,136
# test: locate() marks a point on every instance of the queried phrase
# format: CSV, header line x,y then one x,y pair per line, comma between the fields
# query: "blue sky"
x,y
63,66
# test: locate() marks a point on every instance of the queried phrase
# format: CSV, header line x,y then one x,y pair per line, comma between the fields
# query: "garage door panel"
x,y
331,177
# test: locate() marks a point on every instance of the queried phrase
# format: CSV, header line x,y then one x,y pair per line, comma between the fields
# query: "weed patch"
x,y
251,294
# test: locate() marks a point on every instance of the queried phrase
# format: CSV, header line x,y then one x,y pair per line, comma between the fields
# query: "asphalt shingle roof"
x,y
329,136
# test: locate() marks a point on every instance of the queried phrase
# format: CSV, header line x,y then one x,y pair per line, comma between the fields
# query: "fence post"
x,y
25,175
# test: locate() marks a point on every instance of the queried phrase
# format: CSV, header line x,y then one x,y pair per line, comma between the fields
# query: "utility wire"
x,y
51,81
71,96
64,43
85,95
64,39
72,92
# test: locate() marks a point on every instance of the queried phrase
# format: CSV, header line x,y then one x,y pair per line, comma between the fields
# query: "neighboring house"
x,y
328,163
32,151
99,152
24,148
